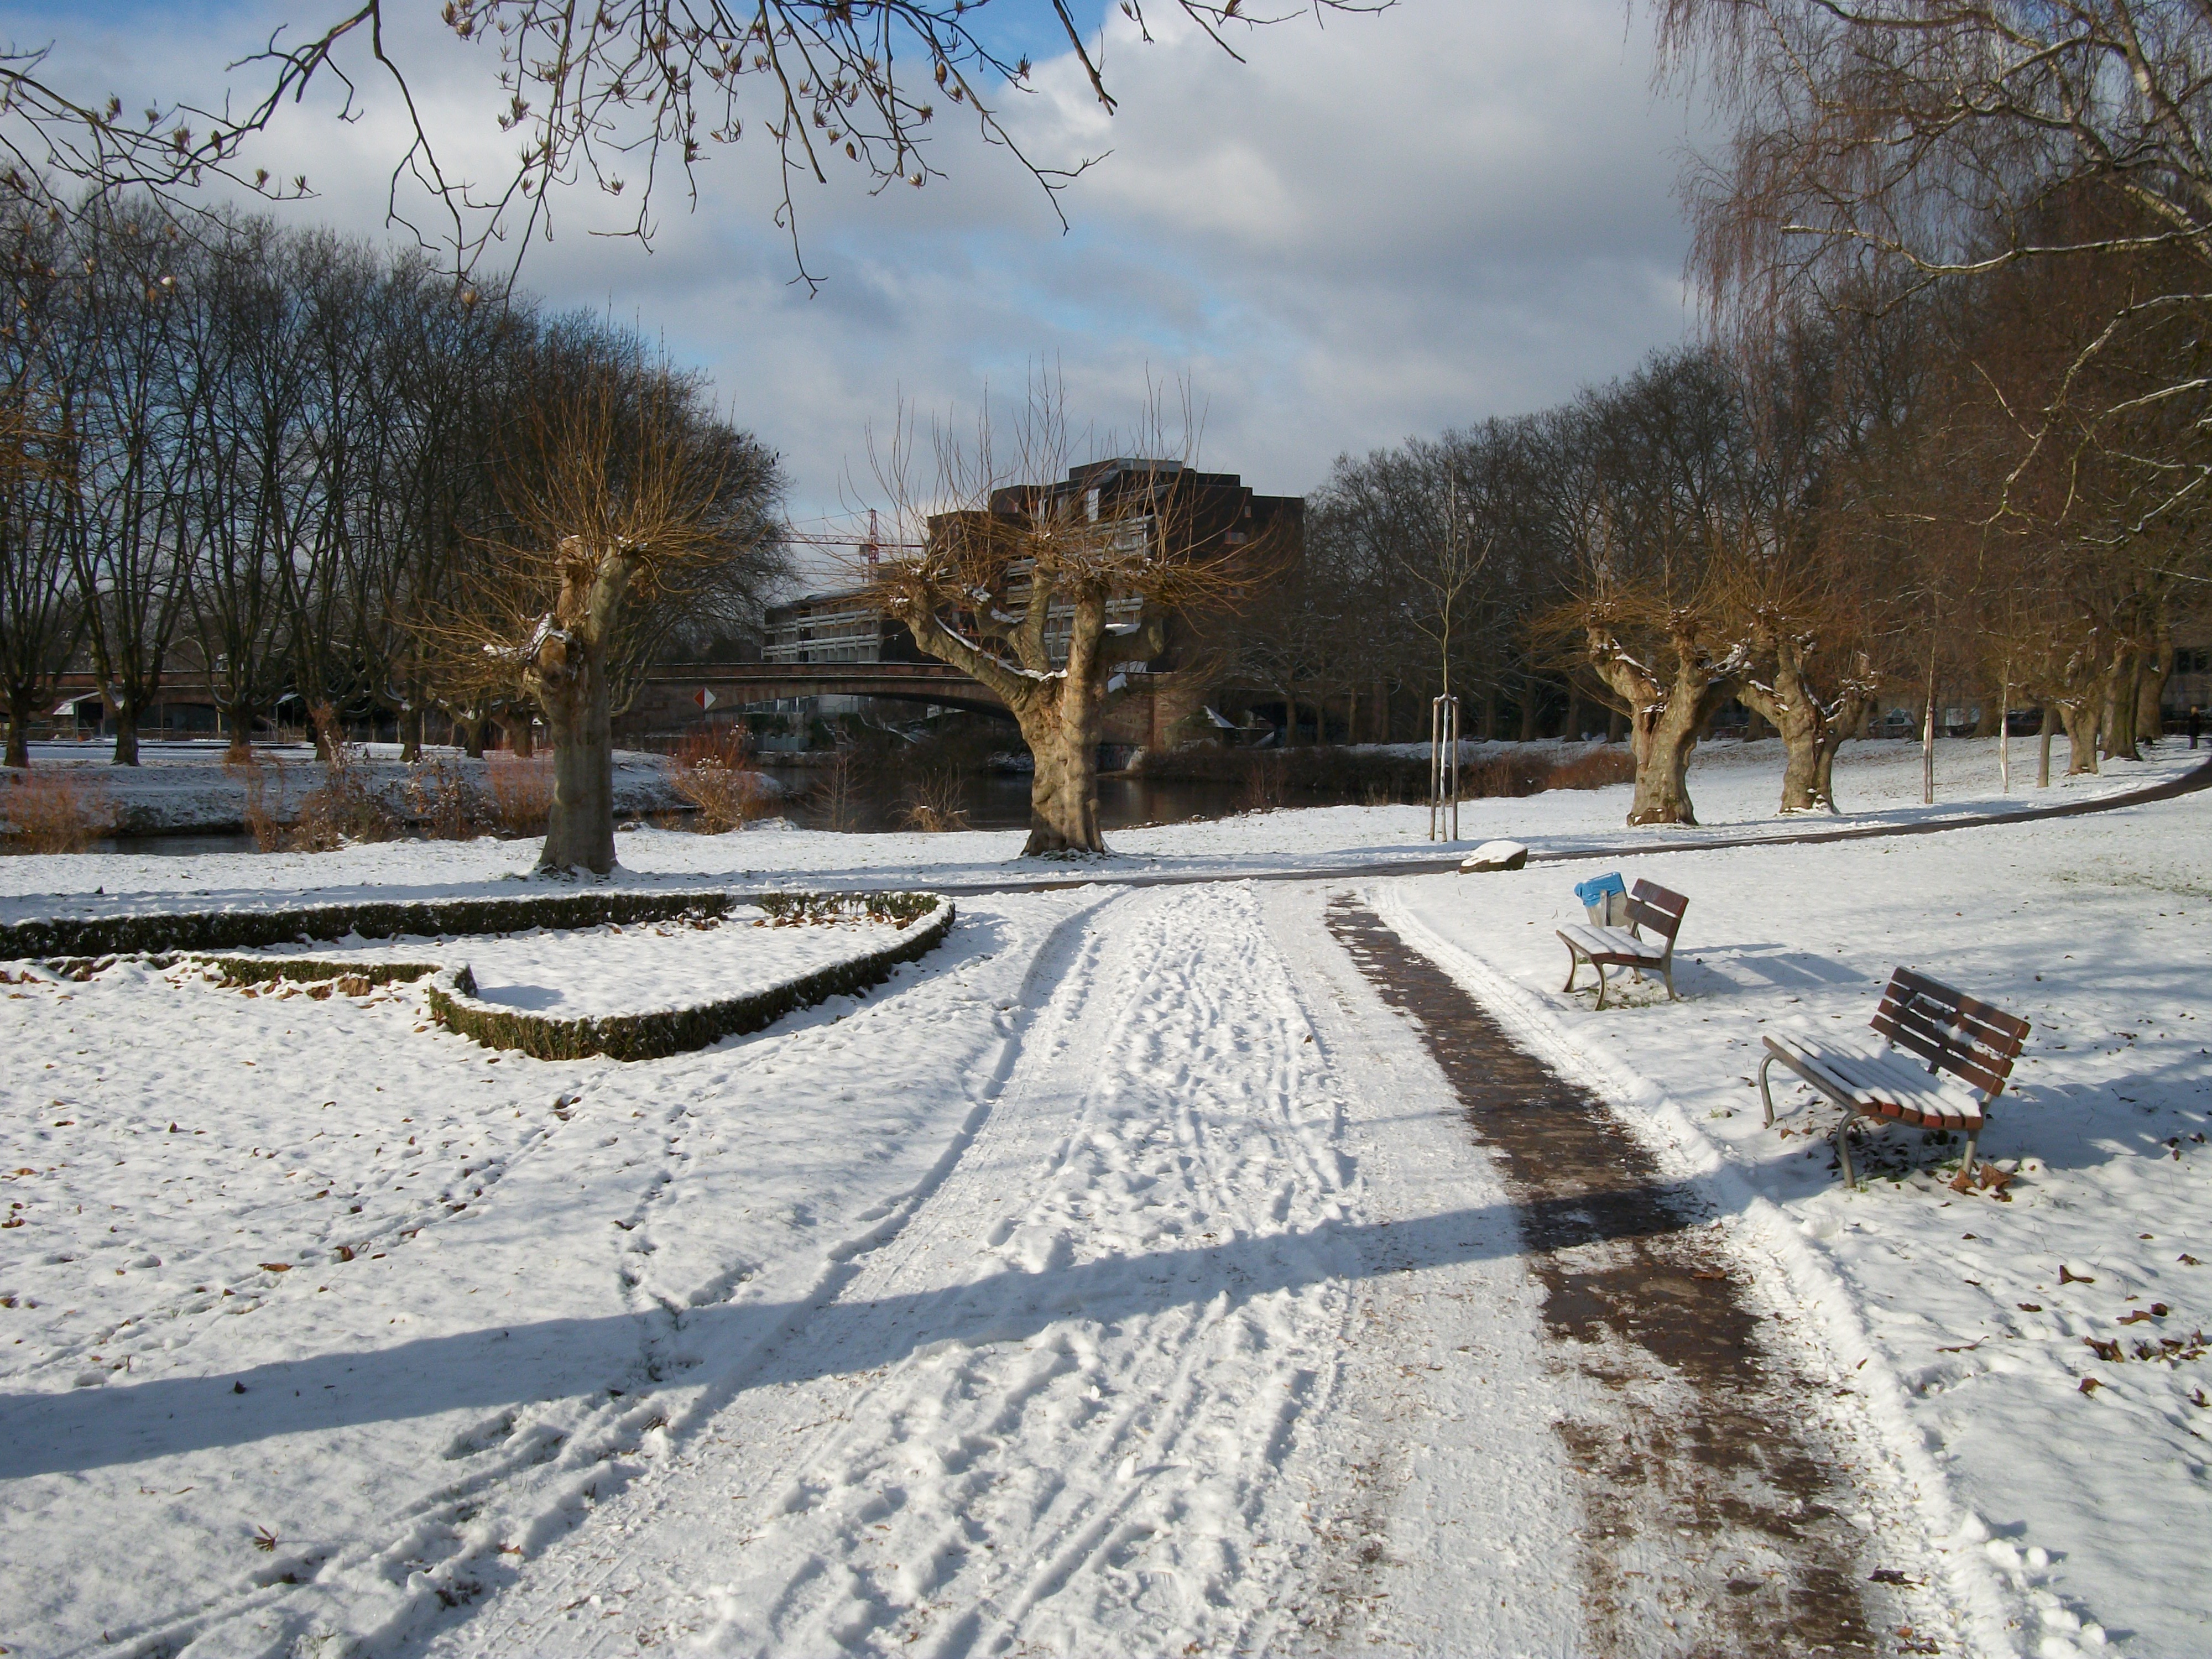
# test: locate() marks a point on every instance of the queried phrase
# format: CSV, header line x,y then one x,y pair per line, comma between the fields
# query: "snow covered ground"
x,y
1736,786
2079,1482
615,969
1119,1279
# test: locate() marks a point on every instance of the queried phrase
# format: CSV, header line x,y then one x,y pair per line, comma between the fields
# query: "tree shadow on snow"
x,y
741,1347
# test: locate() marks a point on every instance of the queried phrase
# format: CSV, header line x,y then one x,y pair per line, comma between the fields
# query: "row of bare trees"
x,y
1951,427
303,470
1801,521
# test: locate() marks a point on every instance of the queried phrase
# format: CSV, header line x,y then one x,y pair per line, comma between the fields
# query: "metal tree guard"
x,y
1443,767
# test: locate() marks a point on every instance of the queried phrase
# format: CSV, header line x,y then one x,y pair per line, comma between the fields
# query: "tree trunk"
x,y
1572,731
411,732
568,676
240,750
2120,692
1666,715
1664,740
469,734
2047,728
22,699
2150,690
581,831
126,734
2081,720
1530,699
1063,788
1811,732
1795,716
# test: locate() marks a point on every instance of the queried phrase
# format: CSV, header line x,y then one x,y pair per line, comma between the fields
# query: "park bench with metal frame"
x,y
1603,946
1944,1057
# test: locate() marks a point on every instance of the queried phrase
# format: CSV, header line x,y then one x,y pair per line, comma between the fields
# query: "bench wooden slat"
x,y
1945,1057
1945,1026
1958,1037
1987,1014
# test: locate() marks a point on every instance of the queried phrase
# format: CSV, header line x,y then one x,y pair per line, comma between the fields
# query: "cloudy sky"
x,y
1376,227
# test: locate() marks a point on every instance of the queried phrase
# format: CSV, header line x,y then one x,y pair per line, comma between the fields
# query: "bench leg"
x,y
1667,971
1574,967
1601,982
1843,1149
1966,1165
1766,1099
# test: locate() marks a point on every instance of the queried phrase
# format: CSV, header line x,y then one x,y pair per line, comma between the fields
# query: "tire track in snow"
x,y
1050,1411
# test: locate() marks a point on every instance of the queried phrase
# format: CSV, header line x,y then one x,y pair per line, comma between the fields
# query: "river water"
x,y
874,802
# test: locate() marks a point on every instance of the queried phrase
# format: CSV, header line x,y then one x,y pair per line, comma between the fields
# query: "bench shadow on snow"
x,y
746,1348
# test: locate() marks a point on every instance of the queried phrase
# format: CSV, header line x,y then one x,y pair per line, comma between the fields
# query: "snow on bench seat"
x,y
1613,943
1944,1057
1882,1081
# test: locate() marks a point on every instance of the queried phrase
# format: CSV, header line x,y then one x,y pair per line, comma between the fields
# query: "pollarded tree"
x,y
1641,472
1801,546
629,508
1048,588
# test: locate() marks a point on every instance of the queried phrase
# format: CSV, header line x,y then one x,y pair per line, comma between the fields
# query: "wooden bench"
x,y
1940,1031
1649,906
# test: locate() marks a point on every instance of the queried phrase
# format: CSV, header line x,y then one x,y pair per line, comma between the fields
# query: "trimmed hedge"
x,y
309,970
242,930
653,1035
923,920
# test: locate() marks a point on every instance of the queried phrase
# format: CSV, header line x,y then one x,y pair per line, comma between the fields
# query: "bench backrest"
x,y
1951,1030
1652,905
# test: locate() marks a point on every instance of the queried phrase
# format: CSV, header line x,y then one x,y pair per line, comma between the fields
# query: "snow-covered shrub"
x,y
52,812
454,1004
238,930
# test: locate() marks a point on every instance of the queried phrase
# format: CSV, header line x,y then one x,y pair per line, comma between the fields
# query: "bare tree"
x,y
41,611
627,508
1892,148
1649,474
1043,580
622,95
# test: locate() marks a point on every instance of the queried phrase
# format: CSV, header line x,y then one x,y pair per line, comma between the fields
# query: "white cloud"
x,y
1377,226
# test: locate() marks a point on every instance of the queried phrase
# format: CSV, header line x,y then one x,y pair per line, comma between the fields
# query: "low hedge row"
x,y
653,1035
200,931
451,992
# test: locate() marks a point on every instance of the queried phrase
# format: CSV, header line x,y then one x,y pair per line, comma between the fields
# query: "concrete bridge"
x,y
670,698
671,695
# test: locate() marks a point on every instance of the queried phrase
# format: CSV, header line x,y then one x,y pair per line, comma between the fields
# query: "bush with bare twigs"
x,y
444,804
265,816
934,805
521,792
343,807
1598,768
835,796
712,769
52,812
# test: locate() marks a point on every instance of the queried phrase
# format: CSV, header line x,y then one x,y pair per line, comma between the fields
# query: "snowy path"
x,y
1104,1390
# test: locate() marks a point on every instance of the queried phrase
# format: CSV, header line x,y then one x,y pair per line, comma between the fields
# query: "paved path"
x,y
1714,1515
